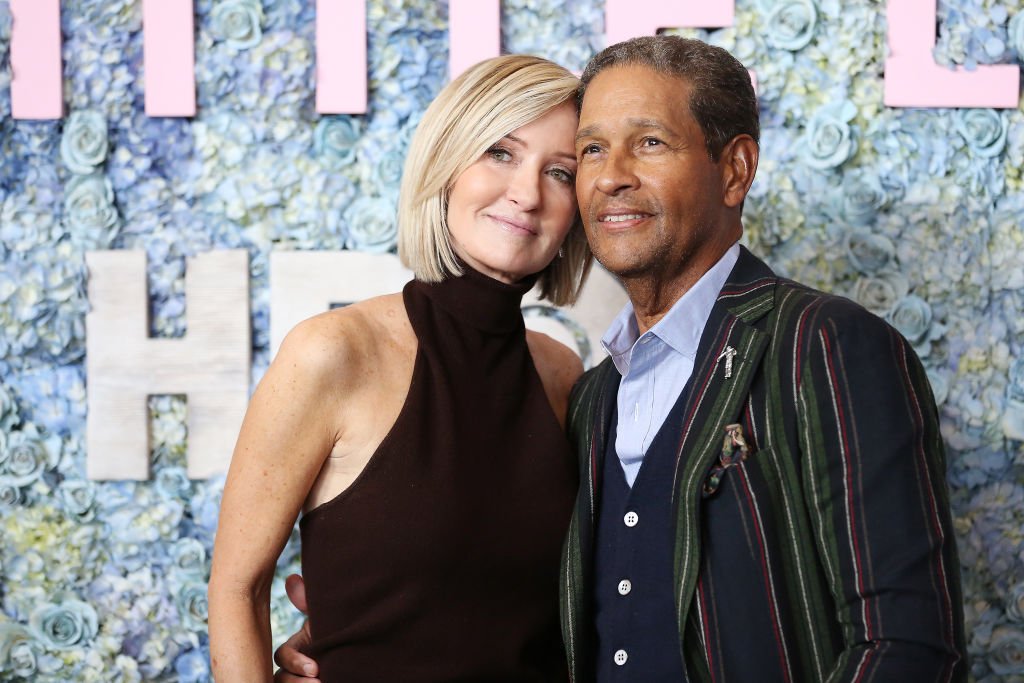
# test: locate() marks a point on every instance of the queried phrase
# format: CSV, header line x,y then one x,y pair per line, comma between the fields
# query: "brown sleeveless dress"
x,y
440,562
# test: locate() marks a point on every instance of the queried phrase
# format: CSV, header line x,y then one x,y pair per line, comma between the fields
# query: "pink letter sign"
x,y
913,79
341,56
474,33
625,19
168,57
37,88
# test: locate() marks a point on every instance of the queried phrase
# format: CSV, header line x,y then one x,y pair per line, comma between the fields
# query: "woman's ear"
x,y
739,164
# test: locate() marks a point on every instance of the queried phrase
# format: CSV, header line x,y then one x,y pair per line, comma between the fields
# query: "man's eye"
x,y
651,142
590,149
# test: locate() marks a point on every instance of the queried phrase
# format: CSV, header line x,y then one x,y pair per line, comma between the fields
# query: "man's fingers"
x,y
295,587
290,658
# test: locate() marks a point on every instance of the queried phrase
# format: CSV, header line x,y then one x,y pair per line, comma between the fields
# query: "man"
x,y
763,493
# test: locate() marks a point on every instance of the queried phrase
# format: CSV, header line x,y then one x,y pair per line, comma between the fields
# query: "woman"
x,y
421,433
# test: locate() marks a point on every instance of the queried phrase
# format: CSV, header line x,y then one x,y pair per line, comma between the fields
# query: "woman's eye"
x,y
562,175
499,154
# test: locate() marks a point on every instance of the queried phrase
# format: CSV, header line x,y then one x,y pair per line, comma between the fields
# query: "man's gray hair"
x,y
722,98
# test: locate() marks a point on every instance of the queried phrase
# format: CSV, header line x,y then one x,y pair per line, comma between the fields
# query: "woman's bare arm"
x,y
290,427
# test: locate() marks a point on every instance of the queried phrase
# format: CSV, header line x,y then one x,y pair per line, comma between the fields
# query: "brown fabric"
x,y
440,562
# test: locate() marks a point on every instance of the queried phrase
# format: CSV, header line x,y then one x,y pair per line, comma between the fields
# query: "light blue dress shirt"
x,y
655,366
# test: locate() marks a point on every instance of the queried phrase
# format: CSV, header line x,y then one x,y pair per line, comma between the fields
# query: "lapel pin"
x,y
727,355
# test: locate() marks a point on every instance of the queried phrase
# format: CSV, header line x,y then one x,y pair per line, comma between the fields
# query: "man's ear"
x,y
739,164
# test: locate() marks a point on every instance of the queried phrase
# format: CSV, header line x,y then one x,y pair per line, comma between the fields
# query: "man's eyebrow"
x,y
590,131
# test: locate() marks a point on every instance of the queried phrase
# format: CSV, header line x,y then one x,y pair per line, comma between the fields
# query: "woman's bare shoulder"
x,y
558,366
334,345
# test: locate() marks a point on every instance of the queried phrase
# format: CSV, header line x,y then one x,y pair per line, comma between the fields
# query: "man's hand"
x,y
295,666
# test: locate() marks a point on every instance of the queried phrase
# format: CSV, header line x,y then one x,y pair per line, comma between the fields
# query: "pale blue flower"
x,y
64,625
237,23
335,140
829,139
83,146
10,496
869,252
372,225
912,316
984,131
27,455
89,212
78,498
192,666
1007,658
861,197
192,605
791,24
18,651
189,557
1015,29
880,293
172,482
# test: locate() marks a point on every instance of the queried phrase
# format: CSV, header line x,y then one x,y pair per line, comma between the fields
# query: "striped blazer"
x,y
811,474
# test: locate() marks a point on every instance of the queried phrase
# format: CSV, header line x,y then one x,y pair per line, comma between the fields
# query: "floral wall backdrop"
x,y
915,213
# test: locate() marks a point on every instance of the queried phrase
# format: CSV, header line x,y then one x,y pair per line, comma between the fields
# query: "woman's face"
x,y
509,212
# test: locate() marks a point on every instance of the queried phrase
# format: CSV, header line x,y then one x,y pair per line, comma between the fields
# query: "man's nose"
x,y
617,174
524,188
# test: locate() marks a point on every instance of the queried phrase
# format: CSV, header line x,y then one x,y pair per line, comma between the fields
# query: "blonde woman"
x,y
420,433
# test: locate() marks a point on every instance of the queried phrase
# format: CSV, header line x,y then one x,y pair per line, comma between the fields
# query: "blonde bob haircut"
x,y
477,109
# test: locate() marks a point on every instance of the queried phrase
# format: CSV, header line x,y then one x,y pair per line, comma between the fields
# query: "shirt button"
x,y
631,519
621,657
625,586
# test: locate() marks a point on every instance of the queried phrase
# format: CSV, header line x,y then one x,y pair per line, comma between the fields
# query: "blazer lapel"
x,y
718,391
592,407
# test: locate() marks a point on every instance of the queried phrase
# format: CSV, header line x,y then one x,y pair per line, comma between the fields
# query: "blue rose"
x,y
192,667
1013,413
940,386
27,457
17,651
912,316
387,172
984,130
69,624
829,139
189,557
83,146
237,23
879,294
192,606
1015,603
173,482
89,212
791,24
1016,33
862,197
11,496
335,139
869,252
1007,651
78,497
372,225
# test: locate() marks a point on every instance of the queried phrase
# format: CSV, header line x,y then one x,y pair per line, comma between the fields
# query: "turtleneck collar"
x,y
480,301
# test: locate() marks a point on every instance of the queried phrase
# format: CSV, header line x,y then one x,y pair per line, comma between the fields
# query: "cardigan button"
x,y
625,586
631,519
621,657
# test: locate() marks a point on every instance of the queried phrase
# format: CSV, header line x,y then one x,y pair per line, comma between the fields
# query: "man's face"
x,y
650,196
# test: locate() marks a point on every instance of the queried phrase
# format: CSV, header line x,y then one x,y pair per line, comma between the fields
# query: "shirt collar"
x,y
683,325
